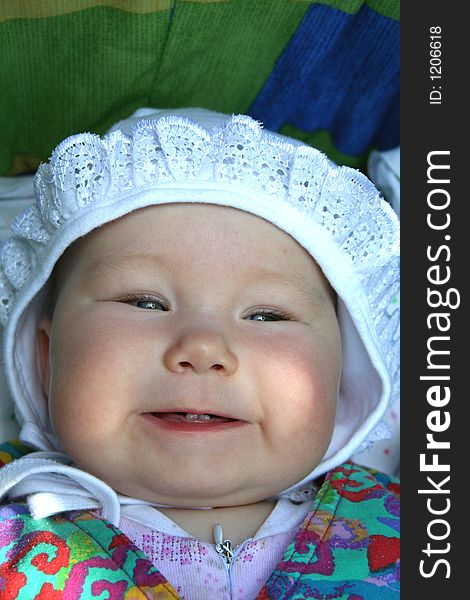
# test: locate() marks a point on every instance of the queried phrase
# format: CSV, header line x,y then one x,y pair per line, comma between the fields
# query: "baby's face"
x,y
183,310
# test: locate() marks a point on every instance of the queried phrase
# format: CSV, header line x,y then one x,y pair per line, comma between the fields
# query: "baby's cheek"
x,y
309,365
302,379
84,434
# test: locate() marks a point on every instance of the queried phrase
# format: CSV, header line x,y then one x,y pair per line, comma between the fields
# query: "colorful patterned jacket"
x,y
347,548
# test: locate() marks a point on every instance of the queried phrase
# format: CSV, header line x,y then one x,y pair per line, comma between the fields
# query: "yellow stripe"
x,y
5,458
31,9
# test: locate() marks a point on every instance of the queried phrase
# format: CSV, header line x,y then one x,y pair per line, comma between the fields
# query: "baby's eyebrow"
x,y
296,282
111,262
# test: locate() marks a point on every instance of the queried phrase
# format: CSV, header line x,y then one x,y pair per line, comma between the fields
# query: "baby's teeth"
x,y
193,417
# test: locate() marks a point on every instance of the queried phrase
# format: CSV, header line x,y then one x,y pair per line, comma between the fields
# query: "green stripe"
x,y
86,70
323,141
80,71
231,51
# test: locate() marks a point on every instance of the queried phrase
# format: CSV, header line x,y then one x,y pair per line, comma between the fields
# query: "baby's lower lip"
x,y
177,422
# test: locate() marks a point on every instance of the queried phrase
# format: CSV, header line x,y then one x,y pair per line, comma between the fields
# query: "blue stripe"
x,y
339,72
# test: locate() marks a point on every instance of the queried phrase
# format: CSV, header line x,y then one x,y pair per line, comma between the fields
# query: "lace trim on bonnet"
x,y
87,174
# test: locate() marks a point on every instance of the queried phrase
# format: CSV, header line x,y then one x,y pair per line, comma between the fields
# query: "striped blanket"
x,y
326,72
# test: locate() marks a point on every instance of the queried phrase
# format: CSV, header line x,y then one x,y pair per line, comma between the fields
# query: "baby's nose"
x,y
200,350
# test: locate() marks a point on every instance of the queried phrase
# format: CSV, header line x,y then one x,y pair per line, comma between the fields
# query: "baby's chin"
x,y
194,494
199,498
208,485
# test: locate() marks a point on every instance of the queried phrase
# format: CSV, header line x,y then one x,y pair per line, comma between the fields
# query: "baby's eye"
x,y
268,315
145,303
150,304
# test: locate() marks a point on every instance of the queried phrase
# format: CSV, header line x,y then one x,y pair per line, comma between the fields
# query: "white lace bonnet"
x,y
194,155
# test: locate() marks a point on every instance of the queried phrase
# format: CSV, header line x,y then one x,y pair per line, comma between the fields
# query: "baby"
x,y
200,330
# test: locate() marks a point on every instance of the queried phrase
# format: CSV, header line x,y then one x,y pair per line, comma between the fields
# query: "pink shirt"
x,y
196,570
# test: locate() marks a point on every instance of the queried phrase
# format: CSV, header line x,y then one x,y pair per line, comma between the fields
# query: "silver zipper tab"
x,y
222,547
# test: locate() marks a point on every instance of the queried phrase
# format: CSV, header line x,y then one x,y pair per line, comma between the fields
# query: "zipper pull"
x,y
222,547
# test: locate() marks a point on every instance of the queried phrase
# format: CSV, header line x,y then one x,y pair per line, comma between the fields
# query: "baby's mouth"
x,y
184,417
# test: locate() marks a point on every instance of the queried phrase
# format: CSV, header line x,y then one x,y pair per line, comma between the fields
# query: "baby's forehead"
x,y
182,227
198,238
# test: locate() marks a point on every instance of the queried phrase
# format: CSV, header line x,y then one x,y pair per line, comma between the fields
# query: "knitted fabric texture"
x,y
335,213
323,72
